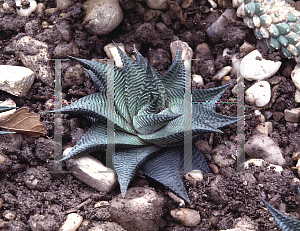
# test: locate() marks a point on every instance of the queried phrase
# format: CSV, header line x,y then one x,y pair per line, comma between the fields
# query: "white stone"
x,y
297,96
112,53
194,176
262,146
254,67
235,64
265,128
26,12
222,72
227,53
92,172
186,53
295,75
157,4
186,216
72,222
259,94
259,163
198,80
102,16
16,80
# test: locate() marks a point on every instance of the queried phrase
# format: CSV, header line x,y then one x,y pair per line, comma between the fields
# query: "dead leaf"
x,y
23,122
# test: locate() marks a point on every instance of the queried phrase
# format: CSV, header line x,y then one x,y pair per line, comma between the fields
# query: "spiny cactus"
x,y
149,133
274,21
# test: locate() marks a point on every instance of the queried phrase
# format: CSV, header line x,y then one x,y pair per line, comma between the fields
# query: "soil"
x,y
55,195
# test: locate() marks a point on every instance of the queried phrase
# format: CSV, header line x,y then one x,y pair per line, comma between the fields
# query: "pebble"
x,y
35,55
227,53
101,204
185,50
235,64
222,72
277,115
112,53
198,80
262,146
296,76
265,128
216,30
16,80
177,199
226,79
194,177
296,156
39,222
259,94
247,48
157,4
254,67
1,202
243,224
297,96
72,222
63,4
217,194
292,115
102,16
186,3
297,167
186,216
26,11
92,172
40,8
223,155
65,30
140,209
107,226
5,163
9,215
63,50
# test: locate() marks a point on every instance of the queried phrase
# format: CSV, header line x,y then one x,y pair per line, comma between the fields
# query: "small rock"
x,y
296,156
72,222
157,4
227,53
265,128
193,177
217,194
198,80
221,73
292,115
35,55
296,76
101,204
276,168
224,155
40,8
259,94
254,67
277,115
65,29
262,146
39,222
151,15
26,11
16,80
63,4
186,3
203,146
177,199
235,64
226,79
216,30
74,76
243,224
5,163
1,202
248,178
102,16
247,48
297,96
112,53
9,103
37,178
185,50
9,215
140,209
186,216
92,172
63,51
107,226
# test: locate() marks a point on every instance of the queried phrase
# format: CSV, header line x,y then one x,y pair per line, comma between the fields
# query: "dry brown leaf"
x,y
23,122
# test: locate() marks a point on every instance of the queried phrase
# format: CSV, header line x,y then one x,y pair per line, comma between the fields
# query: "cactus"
x,y
274,21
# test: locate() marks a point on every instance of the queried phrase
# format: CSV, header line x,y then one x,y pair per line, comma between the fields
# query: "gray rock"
x,y
292,115
107,226
63,4
74,76
16,80
37,178
65,30
5,163
141,209
262,146
72,222
157,4
102,16
217,194
35,55
39,222
186,216
224,155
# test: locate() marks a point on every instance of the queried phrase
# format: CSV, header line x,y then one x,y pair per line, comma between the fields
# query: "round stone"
x,y
259,94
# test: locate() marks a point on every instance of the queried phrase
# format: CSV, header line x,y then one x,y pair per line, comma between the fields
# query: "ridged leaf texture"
x,y
148,134
284,222
4,109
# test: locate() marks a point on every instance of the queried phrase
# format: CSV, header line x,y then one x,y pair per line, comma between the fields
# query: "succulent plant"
x,y
274,21
148,120
284,222
3,109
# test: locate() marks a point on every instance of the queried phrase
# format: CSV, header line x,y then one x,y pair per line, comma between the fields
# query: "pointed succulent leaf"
x,y
150,108
127,162
95,79
6,108
4,133
284,222
164,168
